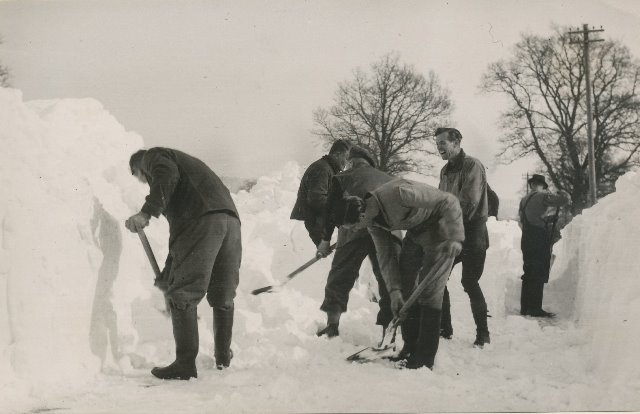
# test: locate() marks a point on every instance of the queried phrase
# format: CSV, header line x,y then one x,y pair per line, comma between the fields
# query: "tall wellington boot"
x,y
185,335
409,328
446,330
222,332
535,310
426,345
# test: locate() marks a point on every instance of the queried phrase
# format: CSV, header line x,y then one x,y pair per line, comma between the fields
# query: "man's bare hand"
x,y
137,222
397,302
451,248
324,249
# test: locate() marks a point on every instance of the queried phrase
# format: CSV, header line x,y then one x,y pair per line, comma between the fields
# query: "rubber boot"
x,y
409,328
535,309
426,345
482,329
333,321
525,299
446,330
222,332
185,334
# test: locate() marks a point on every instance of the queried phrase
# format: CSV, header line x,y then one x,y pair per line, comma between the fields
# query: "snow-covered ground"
x,y
81,324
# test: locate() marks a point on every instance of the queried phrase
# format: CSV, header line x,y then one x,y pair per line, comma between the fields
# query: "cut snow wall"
x,y
597,269
65,178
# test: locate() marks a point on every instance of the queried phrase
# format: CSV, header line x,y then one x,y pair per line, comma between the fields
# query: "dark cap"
x,y
359,152
538,179
339,145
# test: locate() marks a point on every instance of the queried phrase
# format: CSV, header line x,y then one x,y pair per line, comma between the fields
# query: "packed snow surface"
x,y
81,324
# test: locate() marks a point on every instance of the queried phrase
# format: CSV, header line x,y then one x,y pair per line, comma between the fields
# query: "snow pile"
x,y
597,267
64,175
78,311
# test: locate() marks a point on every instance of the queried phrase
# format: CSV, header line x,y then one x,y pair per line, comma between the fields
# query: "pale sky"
x,y
236,82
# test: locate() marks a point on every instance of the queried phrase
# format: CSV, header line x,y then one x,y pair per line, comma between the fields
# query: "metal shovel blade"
x,y
386,348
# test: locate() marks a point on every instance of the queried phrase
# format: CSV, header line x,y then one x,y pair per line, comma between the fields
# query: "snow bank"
x,y
76,294
64,175
597,271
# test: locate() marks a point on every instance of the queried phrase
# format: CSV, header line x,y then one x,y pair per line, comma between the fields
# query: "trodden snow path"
x,y
531,365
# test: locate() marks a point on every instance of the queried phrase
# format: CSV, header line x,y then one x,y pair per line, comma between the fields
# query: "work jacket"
x,y
356,181
465,177
429,215
182,188
314,188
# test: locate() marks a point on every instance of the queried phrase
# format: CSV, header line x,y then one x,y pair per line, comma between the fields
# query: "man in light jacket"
x,y
433,221
465,177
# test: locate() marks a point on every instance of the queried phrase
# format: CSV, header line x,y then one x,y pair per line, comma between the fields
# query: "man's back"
x,y
314,187
183,188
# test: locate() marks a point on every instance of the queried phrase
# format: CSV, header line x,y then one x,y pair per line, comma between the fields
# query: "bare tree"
x,y
4,73
392,111
545,83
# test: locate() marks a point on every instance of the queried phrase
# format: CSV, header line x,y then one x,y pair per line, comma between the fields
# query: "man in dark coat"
x,y
465,177
205,250
433,221
537,243
314,188
352,246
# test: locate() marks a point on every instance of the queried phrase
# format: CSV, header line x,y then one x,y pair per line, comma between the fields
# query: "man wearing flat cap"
x,y
537,243
353,246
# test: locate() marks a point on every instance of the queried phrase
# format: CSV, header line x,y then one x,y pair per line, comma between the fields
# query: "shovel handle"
x,y
149,252
292,274
442,265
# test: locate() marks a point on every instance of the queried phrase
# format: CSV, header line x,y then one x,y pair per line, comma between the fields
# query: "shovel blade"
x,y
371,354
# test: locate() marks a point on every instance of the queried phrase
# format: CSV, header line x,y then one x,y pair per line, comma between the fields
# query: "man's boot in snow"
x,y
409,328
482,329
536,295
446,330
185,334
222,332
525,298
426,345
333,321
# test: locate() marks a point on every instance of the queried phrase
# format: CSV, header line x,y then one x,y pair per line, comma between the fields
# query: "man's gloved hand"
x,y
137,222
451,248
324,249
397,301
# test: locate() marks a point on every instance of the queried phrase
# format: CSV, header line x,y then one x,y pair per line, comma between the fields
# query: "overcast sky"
x,y
235,83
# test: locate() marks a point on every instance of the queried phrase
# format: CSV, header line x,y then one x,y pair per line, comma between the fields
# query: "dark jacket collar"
x,y
455,163
332,163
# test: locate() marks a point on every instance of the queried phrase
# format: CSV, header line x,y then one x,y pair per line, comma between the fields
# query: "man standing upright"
x,y
465,177
537,243
205,250
314,188
353,245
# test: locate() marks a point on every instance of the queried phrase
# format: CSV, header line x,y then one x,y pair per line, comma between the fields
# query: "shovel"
x,y
290,276
387,345
154,265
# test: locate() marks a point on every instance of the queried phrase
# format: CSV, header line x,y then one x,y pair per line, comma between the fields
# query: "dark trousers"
x,y
345,269
205,260
472,267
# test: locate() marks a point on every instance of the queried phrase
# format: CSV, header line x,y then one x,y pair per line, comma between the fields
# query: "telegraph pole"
x,y
590,144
